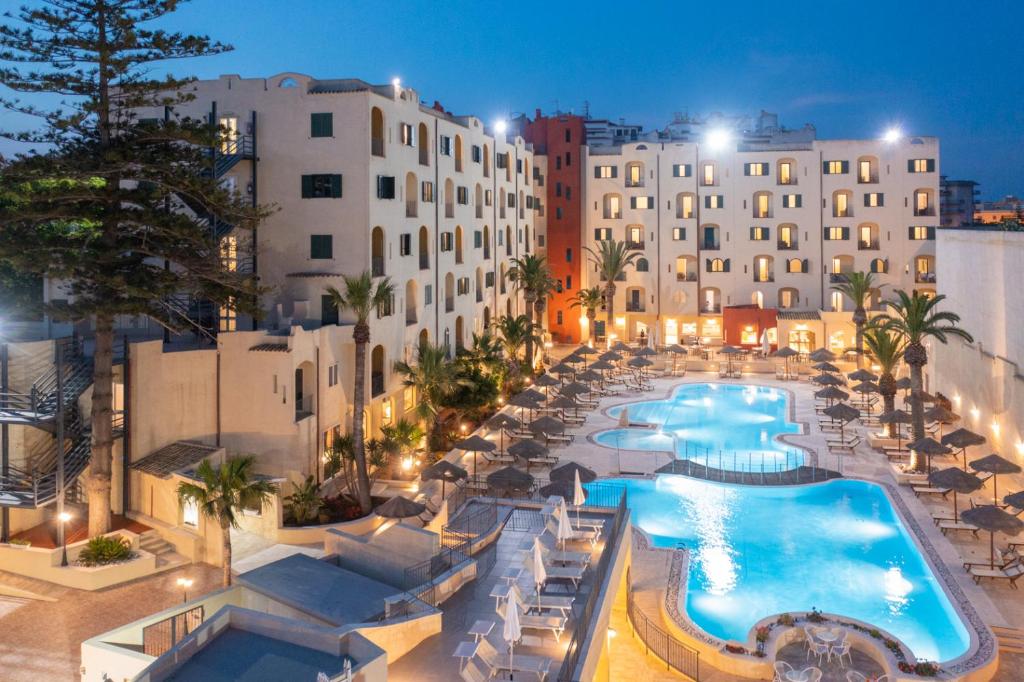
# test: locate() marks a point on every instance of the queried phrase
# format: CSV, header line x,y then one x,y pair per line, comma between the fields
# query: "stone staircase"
x,y
152,542
1010,640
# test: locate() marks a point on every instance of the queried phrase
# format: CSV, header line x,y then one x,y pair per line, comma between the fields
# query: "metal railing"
x,y
377,266
377,146
867,245
686,276
159,637
787,246
657,641
635,246
711,246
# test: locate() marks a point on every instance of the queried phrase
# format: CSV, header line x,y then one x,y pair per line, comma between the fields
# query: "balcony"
x,y
635,307
303,407
377,266
635,246
930,210
449,209
479,296
411,208
838,278
377,146
424,262
787,246
424,156
712,308
479,211
410,317
686,276
868,245
769,277
449,304
710,246
612,215
924,277
376,384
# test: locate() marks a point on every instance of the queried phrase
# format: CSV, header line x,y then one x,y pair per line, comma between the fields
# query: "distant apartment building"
x,y
1007,208
956,201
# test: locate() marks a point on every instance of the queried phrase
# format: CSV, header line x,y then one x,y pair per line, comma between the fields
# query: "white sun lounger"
x,y
553,624
517,663
1011,573
577,535
528,599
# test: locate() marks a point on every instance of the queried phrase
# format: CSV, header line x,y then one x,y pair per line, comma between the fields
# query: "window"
x,y
760,234
642,265
447,241
841,205
603,234
321,186
874,199
717,265
606,171
568,255
328,310
714,201
445,145
190,513
641,202
321,125
612,206
333,374
792,200
519,165
387,307
405,244
755,169
795,265
866,171
788,237
679,234
475,153
922,202
837,233
634,175
684,205
762,205
786,176
462,286
681,170
558,163
708,174
427,193
501,160
921,233
921,166
428,294
568,282
880,265
321,246
462,195
406,135
385,187
835,167
635,236
568,158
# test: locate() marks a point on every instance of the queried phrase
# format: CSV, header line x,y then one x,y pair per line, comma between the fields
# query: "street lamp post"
x,y
64,517
184,584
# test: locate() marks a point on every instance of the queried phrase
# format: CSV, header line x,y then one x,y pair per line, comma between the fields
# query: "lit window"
x,y
714,201
679,234
709,174
604,171
759,234
681,170
792,201
921,165
756,169
874,199
190,514
836,167
685,208
601,234
785,173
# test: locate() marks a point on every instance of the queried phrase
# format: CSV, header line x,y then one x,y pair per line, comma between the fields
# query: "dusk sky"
x,y
953,70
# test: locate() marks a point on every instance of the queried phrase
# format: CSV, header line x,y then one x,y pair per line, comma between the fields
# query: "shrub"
x,y
305,503
762,633
926,669
22,542
815,616
874,633
105,549
786,619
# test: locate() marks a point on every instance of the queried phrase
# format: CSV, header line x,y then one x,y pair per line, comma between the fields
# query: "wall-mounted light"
x,y
975,413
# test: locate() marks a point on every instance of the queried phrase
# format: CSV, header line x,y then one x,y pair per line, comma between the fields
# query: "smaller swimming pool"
x,y
725,426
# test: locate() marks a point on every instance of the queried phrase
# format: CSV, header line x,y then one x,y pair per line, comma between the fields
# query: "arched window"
x,y
612,206
458,153
503,273
867,237
788,298
527,232
377,371
449,292
710,300
842,203
479,285
411,196
411,301
501,203
377,132
423,142
522,204
635,174
487,318
757,298
924,201
785,171
764,269
377,252
424,337
459,345
880,265
487,243
508,307
685,205
508,240
762,204
642,265
867,169
717,265
478,200
794,265
449,198
424,248
487,162
288,82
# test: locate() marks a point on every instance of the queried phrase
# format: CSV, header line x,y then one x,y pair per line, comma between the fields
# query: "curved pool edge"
x,y
977,664
810,454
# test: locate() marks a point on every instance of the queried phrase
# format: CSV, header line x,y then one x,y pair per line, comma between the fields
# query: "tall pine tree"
x,y
102,208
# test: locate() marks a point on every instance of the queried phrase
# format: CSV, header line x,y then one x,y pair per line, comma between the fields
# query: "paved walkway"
x,y
42,640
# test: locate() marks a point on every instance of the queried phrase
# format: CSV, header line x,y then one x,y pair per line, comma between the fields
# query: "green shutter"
x,y
597,171
336,186
726,264
806,266
307,186
931,233
752,237
910,232
931,165
746,168
846,233
824,167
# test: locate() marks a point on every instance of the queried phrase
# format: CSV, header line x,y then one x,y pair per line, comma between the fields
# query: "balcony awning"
x,y
174,457
799,315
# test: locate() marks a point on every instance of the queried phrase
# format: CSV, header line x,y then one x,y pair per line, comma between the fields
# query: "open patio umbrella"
x,y
476,445
963,439
926,397
903,384
399,507
895,418
501,422
621,347
844,413
610,356
826,367
957,480
563,530
941,414
822,355
831,393
568,471
547,425
1015,500
601,366
827,380
929,447
510,479
639,363
583,352
589,376
530,399
546,381
728,352
574,389
563,403
645,352
676,350
562,369
865,388
512,631
995,465
444,471
786,353
861,375
572,359
527,450
558,489
579,495
993,519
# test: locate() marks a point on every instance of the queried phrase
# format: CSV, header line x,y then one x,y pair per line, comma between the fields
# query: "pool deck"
x,y
996,604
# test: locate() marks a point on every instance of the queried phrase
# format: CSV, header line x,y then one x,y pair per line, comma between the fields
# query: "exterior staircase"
x,y
151,542
1010,640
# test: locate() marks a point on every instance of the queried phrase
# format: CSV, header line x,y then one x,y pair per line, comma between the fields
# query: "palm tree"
x,y
612,258
916,318
361,297
339,458
886,349
305,502
404,435
484,352
590,300
531,275
434,379
222,493
513,334
857,287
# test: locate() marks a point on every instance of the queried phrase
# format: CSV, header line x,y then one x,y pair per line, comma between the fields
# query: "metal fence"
x,y
583,627
602,495
657,641
159,637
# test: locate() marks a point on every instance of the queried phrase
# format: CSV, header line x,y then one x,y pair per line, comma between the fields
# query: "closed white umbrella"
x,y
540,574
578,496
512,631
564,531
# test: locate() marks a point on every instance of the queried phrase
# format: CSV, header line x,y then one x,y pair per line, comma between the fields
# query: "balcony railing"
x,y
377,266
869,179
925,211
634,307
711,246
424,262
868,245
303,407
612,215
635,246
449,304
449,209
377,146
411,207
770,277
376,384
686,276
711,308
479,211
410,317
838,278
924,277
788,246
424,156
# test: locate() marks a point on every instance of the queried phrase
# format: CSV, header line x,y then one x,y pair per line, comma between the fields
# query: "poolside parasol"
x,y
786,353
501,422
830,393
862,375
476,445
993,519
563,403
399,507
639,362
827,380
864,388
995,465
903,384
963,439
530,399
572,359
509,479
540,573
601,366
444,471
589,375
822,355
645,352
1015,500
929,447
558,489
826,367
574,389
568,471
845,414
926,397
563,530
621,347
583,352
547,425
579,495
675,348
546,381
562,369
610,356
527,450
730,351
957,480
895,418
941,414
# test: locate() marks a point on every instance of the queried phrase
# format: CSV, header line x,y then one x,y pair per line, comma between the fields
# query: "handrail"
x,y
685,660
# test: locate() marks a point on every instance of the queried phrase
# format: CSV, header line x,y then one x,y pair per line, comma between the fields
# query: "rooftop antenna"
x,y
586,109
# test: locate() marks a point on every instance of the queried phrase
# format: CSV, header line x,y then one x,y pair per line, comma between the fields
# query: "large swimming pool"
x,y
726,426
757,551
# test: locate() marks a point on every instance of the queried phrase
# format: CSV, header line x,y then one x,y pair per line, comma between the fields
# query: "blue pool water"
x,y
727,426
759,551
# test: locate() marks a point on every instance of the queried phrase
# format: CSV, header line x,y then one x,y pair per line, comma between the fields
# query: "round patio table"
x,y
796,676
827,636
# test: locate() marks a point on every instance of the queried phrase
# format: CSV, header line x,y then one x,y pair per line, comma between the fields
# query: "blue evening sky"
x,y
949,69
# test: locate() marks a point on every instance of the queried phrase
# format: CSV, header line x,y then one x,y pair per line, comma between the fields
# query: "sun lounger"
x,y
930,490
564,438
957,525
516,663
496,457
1005,560
528,599
555,556
573,574
1012,573
553,624
471,672
577,535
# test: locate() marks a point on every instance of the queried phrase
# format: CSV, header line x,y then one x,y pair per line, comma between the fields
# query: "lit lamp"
x,y
184,584
462,428
64,517
406,463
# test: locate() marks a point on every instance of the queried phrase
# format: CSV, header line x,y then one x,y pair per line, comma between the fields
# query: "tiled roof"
x,y
271,348
173,457
798,315
313,273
